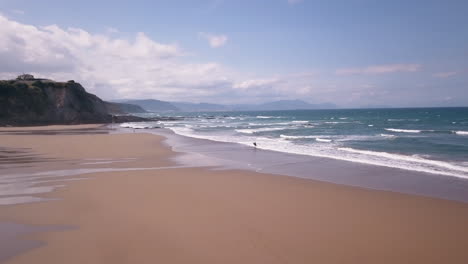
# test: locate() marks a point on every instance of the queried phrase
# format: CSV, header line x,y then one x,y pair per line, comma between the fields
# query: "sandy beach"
x,y
162,213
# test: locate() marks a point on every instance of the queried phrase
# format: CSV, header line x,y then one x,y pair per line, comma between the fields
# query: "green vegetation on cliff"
x,y
31,102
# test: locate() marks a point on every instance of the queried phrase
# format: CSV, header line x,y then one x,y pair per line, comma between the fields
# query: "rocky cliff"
x,y
39,102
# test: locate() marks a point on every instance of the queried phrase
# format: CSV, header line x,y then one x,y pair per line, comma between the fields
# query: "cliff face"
x,y
48,102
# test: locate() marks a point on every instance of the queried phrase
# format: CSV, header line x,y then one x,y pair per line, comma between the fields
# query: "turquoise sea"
x,y
430,140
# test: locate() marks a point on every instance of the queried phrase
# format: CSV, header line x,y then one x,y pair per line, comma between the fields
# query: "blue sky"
x,y
352,53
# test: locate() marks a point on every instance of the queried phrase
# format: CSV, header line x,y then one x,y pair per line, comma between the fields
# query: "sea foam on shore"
x,y
410,139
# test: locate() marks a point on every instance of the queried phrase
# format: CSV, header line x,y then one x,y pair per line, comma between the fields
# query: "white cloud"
x,y
109,66
380,69
290,86
445,74
113,66
255,83
215,41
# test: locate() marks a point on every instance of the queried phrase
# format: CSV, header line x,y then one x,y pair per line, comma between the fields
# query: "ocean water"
x,y
430,140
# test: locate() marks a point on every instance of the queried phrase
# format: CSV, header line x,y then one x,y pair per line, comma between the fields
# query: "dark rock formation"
x,y
128,118
40,102
29,101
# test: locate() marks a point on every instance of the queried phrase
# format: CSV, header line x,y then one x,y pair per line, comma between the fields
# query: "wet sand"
x,y
200,215
53,127
56,130
238,156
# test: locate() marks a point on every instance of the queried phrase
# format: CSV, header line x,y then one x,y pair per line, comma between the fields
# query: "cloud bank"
x,y
139,67
110,66
116,67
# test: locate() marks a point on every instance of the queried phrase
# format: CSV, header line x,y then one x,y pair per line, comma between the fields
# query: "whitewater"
x,y
428,140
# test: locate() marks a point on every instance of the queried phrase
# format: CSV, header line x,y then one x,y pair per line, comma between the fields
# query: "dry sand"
x,y
197,215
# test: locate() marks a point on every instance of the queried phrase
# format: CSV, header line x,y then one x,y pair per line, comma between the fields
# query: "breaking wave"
x,y
403,130
463,133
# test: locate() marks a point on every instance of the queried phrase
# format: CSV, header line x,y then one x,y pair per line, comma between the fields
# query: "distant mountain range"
x,y
162,106
121,108
152,105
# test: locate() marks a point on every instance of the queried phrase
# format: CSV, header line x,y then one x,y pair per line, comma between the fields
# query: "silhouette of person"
x,y
255,144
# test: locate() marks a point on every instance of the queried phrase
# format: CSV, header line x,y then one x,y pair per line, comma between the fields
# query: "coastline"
x,y
238,156
186,214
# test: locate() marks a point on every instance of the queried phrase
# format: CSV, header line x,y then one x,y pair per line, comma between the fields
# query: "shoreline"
x,y
375,177
186,214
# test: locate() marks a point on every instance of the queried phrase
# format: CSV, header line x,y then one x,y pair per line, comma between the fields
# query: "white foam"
x,y
263,129
138,125
300,121
323,140
388,135
179,130
331,150
435,166
398,120
267,117
403,130
295,124
296,137
369,157
213,126
256,124
326,138
463,133
344,138
370,125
